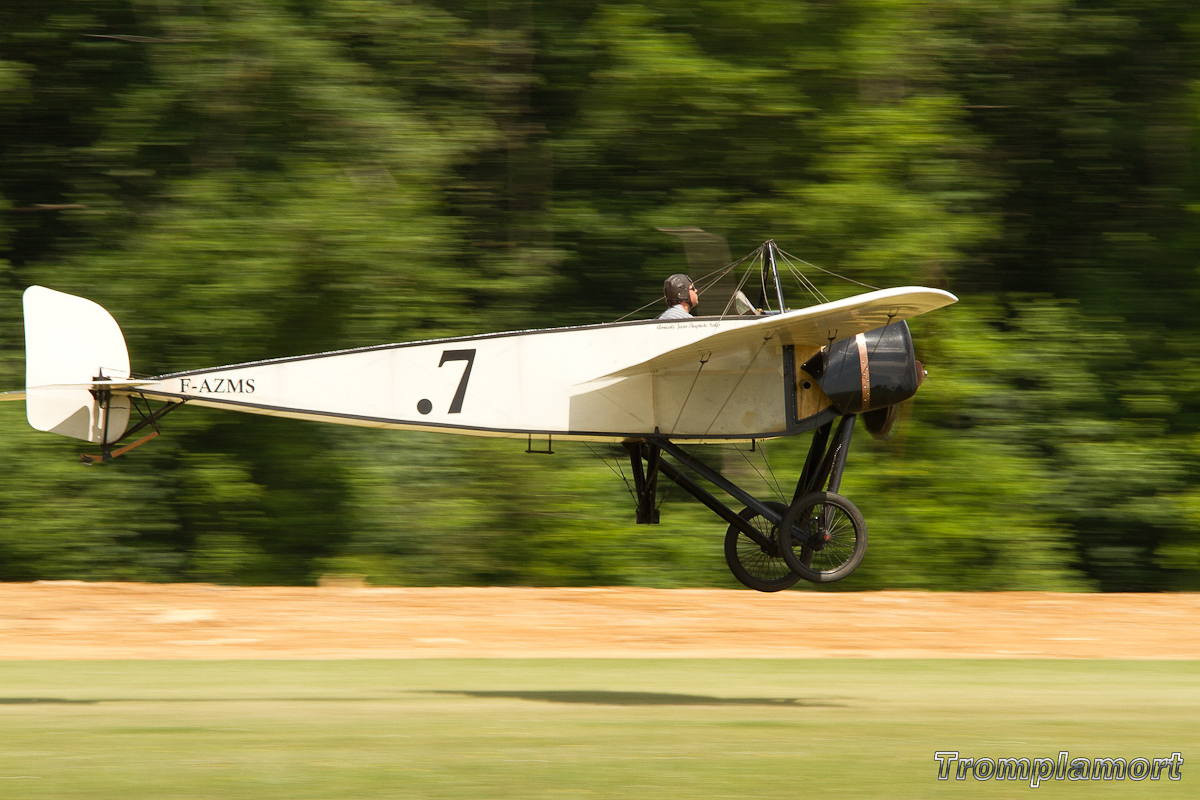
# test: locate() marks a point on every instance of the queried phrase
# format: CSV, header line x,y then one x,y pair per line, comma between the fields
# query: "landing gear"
x,y
827,536
759,566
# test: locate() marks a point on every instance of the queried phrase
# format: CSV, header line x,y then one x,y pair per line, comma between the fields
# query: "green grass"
x,y
579,728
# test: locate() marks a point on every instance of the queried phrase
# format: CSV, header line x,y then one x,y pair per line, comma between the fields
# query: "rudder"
x,y
71,341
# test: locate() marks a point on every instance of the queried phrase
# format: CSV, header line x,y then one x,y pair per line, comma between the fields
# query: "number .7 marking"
x,y
459,355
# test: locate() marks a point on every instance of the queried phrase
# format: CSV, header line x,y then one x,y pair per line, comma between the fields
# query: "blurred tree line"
x,y
241,179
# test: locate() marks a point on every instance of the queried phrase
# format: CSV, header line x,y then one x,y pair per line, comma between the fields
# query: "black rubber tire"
x,y
829,516
749,563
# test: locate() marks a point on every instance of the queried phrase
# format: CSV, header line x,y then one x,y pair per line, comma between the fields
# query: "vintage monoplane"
x,y
746,374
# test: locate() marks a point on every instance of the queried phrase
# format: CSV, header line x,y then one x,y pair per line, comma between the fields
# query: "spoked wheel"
x,y
828,537
756,567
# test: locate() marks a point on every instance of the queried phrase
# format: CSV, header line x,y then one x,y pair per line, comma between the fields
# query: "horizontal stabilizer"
x,y
811,327
125,385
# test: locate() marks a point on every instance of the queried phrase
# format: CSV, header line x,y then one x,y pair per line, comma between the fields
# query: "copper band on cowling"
x,y
861,341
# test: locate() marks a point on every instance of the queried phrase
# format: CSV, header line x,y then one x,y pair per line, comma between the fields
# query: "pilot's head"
x,y
679,289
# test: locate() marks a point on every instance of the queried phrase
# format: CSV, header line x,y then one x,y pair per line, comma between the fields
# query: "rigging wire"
x,y
618,471
757,258
826,271
663,499
804,280
808,285
695,378
732,391
716,276
753,466
762,448
883,330
730,304
640,309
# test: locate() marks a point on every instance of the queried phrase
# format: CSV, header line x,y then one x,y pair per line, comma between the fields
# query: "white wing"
x,y
811,327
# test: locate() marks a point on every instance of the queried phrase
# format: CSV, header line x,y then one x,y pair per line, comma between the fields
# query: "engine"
x,y
869,374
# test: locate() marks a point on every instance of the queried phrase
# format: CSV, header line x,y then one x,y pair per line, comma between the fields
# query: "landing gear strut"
x,y
825,539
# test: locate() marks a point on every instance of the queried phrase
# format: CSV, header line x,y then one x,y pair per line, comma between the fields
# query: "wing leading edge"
x,y
811,327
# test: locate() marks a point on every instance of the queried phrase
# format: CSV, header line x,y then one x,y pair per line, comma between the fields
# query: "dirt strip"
x,y
70,620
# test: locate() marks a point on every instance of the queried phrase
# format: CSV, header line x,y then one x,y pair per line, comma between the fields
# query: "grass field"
x,y
580,728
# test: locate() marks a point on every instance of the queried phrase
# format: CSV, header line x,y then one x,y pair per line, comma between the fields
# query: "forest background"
x,y
242,179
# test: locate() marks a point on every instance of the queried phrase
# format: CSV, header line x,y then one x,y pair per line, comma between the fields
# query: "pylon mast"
x,y
775,273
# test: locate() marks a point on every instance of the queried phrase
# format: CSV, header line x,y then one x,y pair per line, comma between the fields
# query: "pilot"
x,y
681,297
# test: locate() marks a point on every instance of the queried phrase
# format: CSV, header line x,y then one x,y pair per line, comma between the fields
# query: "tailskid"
x,y
150,417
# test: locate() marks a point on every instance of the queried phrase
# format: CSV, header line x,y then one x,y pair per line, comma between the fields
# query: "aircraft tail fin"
x,y
73,348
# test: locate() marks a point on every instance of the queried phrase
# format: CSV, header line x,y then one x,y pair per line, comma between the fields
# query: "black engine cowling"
x,y
868,372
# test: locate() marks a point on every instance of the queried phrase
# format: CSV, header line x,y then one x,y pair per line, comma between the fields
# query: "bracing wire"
x,y
683,405
802,278
826,271
620,473
729,305
804,282
701,287
728,397
757,258
763,478
762,448
717,275
640,309
663,499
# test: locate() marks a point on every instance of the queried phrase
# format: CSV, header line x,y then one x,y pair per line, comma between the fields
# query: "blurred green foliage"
x,y
240,179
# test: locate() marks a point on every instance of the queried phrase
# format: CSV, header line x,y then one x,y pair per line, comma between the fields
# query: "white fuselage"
x,y
543,382
708,378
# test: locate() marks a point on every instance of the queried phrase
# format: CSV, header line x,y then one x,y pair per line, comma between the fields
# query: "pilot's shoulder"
x,y
675,312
